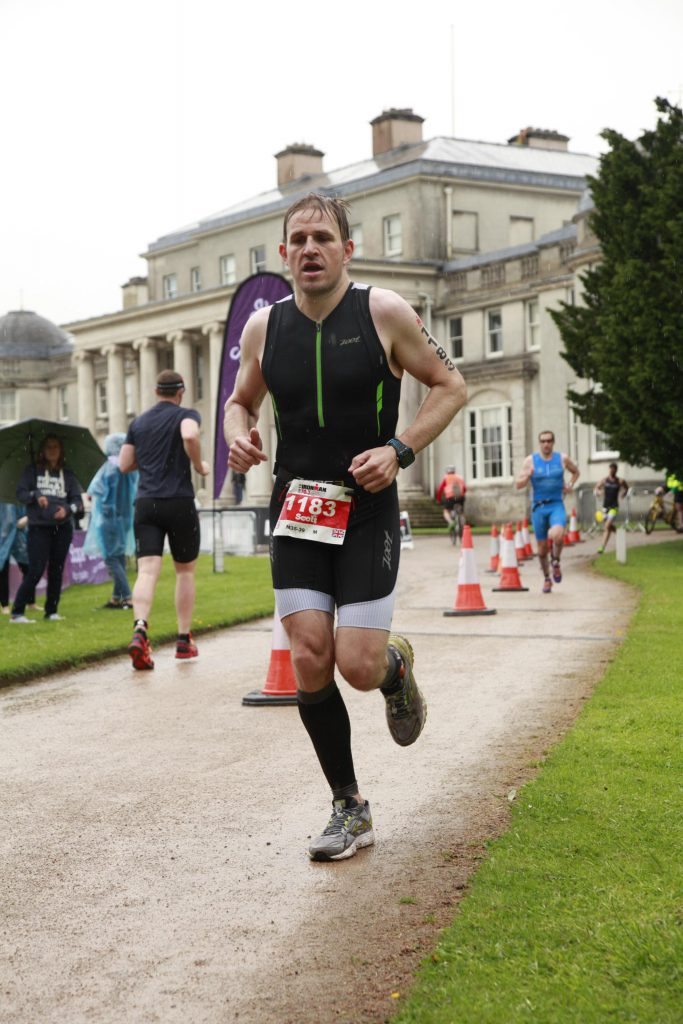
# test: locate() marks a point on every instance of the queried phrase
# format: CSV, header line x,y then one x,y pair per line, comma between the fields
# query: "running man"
x,y
545,470
332,357
451,492
611,486
163,443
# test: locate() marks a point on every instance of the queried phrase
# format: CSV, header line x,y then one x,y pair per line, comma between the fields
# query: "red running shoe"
x,y
140,652
186,648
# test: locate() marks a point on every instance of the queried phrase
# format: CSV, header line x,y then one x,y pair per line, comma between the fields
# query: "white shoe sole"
x,y
366,839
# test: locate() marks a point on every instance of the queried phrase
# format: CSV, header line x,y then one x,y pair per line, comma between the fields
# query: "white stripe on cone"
x,y
519,544
468,598
509,573
494,550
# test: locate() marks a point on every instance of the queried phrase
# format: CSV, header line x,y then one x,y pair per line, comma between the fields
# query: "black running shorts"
x,y
175,518
362,570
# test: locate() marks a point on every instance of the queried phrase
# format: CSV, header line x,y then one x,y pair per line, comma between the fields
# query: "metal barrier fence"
x,y
633,507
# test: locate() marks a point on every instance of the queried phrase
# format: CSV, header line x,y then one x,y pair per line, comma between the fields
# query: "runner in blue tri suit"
x,y
545,471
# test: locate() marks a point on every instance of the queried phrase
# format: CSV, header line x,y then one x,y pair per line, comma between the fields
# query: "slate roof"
x,y
25,335
461,159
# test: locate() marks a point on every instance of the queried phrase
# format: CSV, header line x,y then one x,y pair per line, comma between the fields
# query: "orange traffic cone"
x,y
520,551
468,597
528,550
509,572
574,535
494,550
566,539
280,685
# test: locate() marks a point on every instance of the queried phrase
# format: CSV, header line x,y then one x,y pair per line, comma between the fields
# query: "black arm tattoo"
x,y
440,351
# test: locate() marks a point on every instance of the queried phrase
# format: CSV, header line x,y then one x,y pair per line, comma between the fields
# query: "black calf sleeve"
x,y
327,722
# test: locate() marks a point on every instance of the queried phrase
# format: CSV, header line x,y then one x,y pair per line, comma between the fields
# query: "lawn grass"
x,y
244,591
576,915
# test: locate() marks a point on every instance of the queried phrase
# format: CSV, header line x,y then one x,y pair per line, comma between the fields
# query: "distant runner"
x,y
545,470
610,487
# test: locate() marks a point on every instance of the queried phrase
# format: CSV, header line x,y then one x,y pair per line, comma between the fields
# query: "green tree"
x,y
626,342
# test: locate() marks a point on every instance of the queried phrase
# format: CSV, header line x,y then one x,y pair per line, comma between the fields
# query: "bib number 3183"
x,y
316,511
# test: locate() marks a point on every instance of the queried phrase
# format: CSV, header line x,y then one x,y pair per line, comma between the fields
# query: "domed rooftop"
x,y
25,335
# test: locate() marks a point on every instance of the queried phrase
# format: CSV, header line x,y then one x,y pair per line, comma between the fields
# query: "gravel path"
x,y
154,829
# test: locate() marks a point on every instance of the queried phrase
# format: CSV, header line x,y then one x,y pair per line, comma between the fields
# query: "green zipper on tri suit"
x,y
380,390
319,371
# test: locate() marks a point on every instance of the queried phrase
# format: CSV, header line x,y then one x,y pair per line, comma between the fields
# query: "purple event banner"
x,y
256,292
78,568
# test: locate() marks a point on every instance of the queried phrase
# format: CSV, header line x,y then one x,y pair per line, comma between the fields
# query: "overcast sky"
x,y
124,120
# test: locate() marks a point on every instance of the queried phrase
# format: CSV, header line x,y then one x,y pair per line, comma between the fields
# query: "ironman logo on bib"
x,y
314,510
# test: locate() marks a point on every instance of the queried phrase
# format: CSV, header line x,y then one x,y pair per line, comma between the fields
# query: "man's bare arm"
x,y
572,468
242,408
127,461
410,348
189,431
525,474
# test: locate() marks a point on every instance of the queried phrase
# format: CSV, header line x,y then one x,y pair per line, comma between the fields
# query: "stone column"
x,y
182,361
116,398
85,371
147,360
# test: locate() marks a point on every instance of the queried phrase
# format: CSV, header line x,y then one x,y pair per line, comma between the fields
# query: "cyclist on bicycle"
x,y
450,494
610,487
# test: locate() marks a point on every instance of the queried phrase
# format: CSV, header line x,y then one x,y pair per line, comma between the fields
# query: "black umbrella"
x,y
20,443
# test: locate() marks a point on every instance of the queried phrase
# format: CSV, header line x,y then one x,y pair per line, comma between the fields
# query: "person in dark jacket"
x,y
52,496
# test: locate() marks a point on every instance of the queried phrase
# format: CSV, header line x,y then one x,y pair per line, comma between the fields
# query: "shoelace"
x,y
338,822
400,703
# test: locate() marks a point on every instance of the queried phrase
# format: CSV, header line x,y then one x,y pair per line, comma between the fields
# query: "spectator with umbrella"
x,y
52,496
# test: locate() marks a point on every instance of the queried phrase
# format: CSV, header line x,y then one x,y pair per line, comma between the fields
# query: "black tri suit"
x,y
334,396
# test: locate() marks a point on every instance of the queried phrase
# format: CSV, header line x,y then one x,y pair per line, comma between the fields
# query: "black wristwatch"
x,y
404,454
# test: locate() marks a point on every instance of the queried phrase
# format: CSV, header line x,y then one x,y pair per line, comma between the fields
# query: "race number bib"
x,y
315,511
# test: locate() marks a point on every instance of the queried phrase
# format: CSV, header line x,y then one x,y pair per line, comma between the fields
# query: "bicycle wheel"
x,y
650,520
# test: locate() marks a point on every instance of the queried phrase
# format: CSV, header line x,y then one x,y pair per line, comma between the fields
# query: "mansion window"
x,y
170,286
521,230
393,238
455,336
494,332
465,231
101,407
257,259
195,279
533,324
601,447
8,406
228,270
356,232
490,443
63,402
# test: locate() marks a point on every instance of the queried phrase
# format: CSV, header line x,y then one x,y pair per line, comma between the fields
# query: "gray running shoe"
x,y
349,828
406,709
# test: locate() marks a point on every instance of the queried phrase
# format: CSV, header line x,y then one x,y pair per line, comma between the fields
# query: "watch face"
x,y
404,454
406,457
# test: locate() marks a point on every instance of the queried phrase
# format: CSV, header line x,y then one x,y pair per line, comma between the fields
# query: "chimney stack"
x,y
539,138
297,160
395,127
